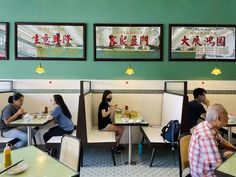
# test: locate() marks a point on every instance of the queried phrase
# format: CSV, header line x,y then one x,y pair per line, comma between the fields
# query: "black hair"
x,y
198,91
105,93
10,99
59,101
15,97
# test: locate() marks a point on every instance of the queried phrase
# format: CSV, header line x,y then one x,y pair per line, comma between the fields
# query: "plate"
x,y
17,169
125,119
118,110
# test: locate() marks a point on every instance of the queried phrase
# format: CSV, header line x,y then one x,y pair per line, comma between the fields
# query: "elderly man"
x,y
204,153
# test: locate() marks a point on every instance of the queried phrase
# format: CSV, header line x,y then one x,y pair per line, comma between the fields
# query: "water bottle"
x,y
7,156
140,149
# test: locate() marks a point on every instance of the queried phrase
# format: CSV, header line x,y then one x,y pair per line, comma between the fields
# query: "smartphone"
x,y
201,99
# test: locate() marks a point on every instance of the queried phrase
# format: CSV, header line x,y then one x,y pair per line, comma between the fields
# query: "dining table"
x,y
227,168
130,120
34,119
229,126
36,163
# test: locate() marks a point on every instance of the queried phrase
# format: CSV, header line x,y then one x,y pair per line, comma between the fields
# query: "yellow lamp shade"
x,y
129,70
40,69
216,71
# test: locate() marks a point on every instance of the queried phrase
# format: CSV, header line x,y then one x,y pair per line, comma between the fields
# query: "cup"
x,y
46,109
231,118
27,117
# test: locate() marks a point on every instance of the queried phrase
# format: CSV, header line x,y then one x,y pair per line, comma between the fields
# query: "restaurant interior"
x,y
139,77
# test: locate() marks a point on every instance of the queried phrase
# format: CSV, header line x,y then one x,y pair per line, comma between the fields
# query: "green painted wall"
x,y
116,11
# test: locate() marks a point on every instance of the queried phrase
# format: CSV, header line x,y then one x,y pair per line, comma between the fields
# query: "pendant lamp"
x,y
129,70
216,71
40,69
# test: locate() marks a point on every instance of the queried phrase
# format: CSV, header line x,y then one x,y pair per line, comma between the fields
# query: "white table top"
x,y
40,164
35,121
227,168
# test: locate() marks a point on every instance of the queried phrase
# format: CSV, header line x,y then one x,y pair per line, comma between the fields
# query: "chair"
x,y
70,152
184,140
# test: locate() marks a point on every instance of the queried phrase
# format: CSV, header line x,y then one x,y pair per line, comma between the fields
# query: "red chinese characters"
x,y
57,40
122,40
207,41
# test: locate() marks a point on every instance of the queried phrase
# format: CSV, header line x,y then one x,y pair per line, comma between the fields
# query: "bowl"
x,y
133,114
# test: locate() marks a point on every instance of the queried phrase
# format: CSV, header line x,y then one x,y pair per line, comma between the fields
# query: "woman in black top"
x,y
105,111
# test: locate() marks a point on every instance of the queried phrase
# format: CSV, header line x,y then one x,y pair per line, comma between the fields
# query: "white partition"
x,y
172,108
88,111
4,99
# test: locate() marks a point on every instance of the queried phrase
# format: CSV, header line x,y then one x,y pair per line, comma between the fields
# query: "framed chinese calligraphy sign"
x,y
50,41
4,39
201,42
121,42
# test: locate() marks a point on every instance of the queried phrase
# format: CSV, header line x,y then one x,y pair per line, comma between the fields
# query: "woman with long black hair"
x,y
61,116
105,111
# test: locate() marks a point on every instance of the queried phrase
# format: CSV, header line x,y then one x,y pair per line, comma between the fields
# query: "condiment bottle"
x,y
127,112
46,109
140,149
7,156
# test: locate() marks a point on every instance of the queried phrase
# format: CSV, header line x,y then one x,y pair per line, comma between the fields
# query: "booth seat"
x,y
172,109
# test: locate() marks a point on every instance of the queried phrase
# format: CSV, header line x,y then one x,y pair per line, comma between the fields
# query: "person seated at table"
x,y
207,148
10,113
106,111
62,117
196,107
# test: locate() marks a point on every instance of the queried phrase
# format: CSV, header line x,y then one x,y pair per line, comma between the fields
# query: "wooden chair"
x,y
184,140
70,152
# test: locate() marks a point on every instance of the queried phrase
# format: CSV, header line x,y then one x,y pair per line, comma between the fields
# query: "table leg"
x,y
29,135
229,133
130,145
130,162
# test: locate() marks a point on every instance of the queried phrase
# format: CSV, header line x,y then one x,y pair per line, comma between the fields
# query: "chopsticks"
x,y
11,166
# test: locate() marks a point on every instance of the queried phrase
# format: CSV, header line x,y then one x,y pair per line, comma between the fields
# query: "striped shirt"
x,y
203,152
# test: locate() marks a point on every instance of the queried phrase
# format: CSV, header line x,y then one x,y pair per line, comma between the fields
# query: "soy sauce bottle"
x,y
7,156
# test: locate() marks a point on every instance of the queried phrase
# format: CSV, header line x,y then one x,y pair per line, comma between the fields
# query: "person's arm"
x,y
49,117
226,145
111,110
8,120
106,113
210,152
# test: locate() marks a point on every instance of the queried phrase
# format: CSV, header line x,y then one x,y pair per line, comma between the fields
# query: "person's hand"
x,y
228,153
206,101
49,117
111,109
21,111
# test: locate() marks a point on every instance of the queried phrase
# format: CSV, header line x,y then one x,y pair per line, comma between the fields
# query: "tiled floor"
x,y
98,162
